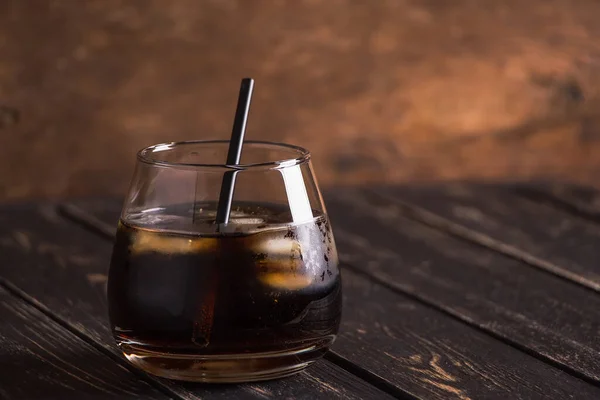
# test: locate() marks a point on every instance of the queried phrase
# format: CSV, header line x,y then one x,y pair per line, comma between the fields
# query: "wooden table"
x,y
451,292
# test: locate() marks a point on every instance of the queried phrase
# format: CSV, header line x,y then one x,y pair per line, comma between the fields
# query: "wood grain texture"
x,y
498,217
63,267
419,348
40,359
422,350
554,319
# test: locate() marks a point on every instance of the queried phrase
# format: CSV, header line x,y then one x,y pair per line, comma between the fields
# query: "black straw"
x,y
235,150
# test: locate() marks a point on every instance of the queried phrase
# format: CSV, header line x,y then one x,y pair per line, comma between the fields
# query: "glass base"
x,y
228,368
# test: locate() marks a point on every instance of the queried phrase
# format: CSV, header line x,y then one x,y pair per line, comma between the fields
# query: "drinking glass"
x,y
256,298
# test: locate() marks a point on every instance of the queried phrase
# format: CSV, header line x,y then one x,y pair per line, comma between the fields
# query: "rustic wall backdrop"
x,y
391,90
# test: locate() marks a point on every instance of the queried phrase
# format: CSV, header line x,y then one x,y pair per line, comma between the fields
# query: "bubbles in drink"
x,y
261,285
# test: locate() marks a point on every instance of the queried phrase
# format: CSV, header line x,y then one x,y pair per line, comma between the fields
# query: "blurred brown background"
x,y
393,90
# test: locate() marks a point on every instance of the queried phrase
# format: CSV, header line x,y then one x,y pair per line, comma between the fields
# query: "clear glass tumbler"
x,y
256,298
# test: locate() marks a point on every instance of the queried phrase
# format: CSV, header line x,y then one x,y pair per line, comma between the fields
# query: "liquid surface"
x,y
260,286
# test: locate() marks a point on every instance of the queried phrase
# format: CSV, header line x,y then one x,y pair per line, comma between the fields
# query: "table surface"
x,y
459,291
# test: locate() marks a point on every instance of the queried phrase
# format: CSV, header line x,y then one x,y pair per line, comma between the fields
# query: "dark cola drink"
x,y
257,295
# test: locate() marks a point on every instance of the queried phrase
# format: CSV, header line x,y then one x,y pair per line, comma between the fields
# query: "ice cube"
x,y
285,280
246,221
149,241
277,246
241,224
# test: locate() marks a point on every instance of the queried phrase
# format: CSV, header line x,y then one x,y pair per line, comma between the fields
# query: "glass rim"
x,y
144,155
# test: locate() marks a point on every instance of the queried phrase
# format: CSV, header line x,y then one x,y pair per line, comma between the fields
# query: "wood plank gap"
x,y
559,203
75,214
440,223
368,376
424,300
79,216
23,296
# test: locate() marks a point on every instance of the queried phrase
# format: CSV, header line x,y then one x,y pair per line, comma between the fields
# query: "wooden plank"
x,y
41,359
582,200
63,267
501,218
497,217
424,351
547,316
